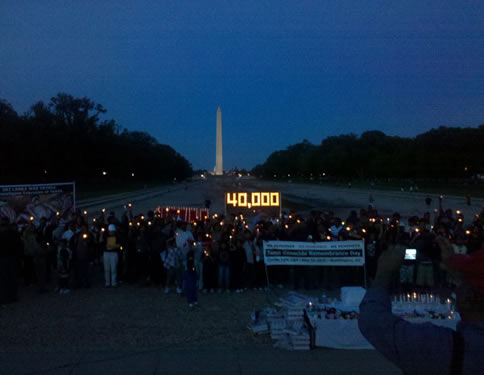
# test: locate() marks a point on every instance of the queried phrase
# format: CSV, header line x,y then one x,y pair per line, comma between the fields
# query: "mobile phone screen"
x,y
410,254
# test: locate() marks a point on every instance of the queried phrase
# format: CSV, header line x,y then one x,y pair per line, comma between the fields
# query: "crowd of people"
x,y
216,253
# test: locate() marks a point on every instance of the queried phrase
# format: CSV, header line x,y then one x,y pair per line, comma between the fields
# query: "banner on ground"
x,y
20,203
188,214
333,253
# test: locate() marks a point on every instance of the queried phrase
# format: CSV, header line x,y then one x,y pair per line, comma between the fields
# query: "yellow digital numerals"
x,y
254,199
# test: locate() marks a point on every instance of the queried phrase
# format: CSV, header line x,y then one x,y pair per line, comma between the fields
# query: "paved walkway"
x,y
179,360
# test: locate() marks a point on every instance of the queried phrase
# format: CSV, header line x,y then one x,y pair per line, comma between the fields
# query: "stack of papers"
x,y
286,325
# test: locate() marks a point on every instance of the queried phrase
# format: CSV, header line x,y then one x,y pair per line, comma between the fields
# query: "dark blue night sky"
x,y
282,71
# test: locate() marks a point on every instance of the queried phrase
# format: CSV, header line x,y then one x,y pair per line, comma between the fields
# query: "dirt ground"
x,y
130,316
136,329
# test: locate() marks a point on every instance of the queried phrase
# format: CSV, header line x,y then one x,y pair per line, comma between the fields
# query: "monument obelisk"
x,y
219,170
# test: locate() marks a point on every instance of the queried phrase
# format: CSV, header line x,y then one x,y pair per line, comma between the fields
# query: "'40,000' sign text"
x,y
254,199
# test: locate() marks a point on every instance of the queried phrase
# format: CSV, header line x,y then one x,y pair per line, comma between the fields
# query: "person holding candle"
x,y
190,279
111,257
81,246
10,252
426,348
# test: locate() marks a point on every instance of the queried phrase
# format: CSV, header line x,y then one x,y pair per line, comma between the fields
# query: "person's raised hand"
x,y
389,265
446,249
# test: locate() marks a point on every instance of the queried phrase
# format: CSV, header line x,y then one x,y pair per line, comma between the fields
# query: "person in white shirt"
x,y
336,228
183,237
249,256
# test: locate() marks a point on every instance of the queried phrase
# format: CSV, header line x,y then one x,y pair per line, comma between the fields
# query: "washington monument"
x,y
219,170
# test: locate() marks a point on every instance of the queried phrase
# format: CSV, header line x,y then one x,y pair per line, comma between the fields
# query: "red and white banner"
x,y
188,214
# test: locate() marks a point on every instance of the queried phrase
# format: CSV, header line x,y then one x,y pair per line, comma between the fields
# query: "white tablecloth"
x,y
345,334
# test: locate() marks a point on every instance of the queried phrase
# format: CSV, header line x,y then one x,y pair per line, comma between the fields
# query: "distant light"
x,y
132,174
105,173
45,171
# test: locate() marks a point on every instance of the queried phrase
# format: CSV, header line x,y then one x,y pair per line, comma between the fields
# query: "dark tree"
x,y
67,140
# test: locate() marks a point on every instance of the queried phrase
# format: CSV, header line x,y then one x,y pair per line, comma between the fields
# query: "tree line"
x,y
445,152
66,140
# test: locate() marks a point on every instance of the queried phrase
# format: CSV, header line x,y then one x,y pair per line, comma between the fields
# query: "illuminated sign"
x,y
253,199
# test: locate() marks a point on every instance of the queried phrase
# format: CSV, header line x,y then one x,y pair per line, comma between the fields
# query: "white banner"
x,y
333,253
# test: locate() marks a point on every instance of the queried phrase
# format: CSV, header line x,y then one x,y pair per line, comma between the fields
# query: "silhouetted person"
x,y
10,251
